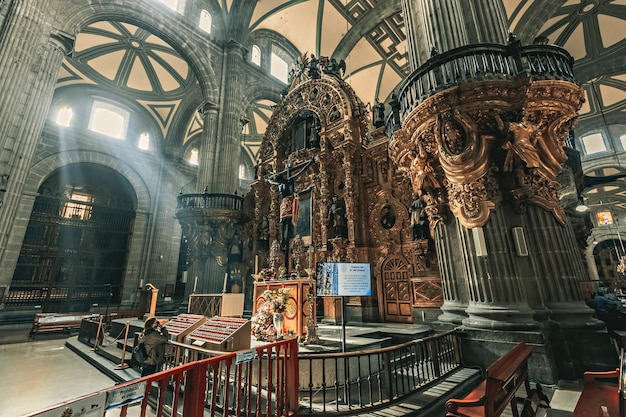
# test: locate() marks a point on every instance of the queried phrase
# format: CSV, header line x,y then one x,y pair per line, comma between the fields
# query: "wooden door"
x,y
396,291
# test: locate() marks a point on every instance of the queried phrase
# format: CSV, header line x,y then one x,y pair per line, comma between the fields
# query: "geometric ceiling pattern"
x,y
370,36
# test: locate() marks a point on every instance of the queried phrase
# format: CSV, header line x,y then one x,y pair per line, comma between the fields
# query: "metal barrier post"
x,y
123,364
95,344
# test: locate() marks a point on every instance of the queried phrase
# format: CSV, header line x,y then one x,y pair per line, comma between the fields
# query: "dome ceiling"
x,y
127,57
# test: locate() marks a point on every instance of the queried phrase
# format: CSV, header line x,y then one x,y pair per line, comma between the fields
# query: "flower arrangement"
x,y
262,324
266,274
282,272
277,299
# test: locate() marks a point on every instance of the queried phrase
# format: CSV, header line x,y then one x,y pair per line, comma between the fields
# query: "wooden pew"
x,y
601,397
502,380
57,322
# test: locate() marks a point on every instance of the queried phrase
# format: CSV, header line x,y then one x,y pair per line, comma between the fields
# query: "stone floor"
x,y
37,374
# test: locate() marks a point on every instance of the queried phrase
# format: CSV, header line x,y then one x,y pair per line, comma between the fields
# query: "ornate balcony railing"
x,y
209,201
474,63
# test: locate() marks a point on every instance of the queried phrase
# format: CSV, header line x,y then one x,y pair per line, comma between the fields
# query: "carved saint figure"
x,y
418,218
337,214
423,173
286,180
388,218
521,143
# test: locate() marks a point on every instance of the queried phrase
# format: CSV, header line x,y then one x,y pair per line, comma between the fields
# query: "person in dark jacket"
x,y
154,338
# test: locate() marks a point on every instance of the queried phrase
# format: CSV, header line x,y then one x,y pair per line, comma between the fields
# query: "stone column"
x,y
208,155
449,24
226,167
31,57
433,23
453,279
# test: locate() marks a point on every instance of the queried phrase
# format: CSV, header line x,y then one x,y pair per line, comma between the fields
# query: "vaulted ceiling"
x,y
370,36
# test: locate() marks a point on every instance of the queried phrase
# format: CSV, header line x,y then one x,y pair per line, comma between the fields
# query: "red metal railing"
x,y
258,382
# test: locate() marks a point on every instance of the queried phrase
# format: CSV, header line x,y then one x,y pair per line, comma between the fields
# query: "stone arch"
x,y
42,169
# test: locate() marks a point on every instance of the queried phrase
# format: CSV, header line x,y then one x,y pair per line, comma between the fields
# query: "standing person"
x,y
154,337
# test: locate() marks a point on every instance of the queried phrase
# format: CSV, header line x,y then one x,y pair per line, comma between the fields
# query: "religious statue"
x,y
286,180
388,219
418,219
521,143
378,114
264,229
337,214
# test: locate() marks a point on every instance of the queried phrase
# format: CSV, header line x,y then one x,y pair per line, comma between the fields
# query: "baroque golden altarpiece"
x,y
354,206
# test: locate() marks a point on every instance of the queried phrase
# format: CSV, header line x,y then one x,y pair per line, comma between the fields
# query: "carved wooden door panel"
x,y
396,291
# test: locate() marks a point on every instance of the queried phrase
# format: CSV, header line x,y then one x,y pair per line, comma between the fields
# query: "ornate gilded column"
x,y
488,155
31,57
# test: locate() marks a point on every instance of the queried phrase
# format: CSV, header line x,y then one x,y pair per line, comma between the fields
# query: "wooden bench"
x,y
602,397
502,380
57,322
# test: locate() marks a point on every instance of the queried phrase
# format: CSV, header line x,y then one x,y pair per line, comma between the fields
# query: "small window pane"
x,y
279,68
594,143
64,118
144,141
622,139
205,21
76,210
108,120
256,55
193,157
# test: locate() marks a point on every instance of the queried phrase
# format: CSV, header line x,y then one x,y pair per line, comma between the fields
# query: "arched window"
x,y
144,141
205,21
193,156
109,120
64,118
255,56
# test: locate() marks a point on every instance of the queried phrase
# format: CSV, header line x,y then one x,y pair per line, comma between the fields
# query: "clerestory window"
x,y
205,21
108,120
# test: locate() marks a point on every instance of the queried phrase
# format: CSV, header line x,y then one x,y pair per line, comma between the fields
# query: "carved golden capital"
x,y
468,146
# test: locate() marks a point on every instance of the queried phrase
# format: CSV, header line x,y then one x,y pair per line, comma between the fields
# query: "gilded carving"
x,y
516,128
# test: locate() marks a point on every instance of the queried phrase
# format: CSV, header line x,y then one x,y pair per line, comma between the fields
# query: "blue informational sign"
x,y
338,279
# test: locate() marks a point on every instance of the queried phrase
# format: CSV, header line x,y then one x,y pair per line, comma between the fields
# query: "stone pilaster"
x,y
31,58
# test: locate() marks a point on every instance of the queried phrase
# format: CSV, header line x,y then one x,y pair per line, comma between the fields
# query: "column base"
x,y
509,318
453,312
558,354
